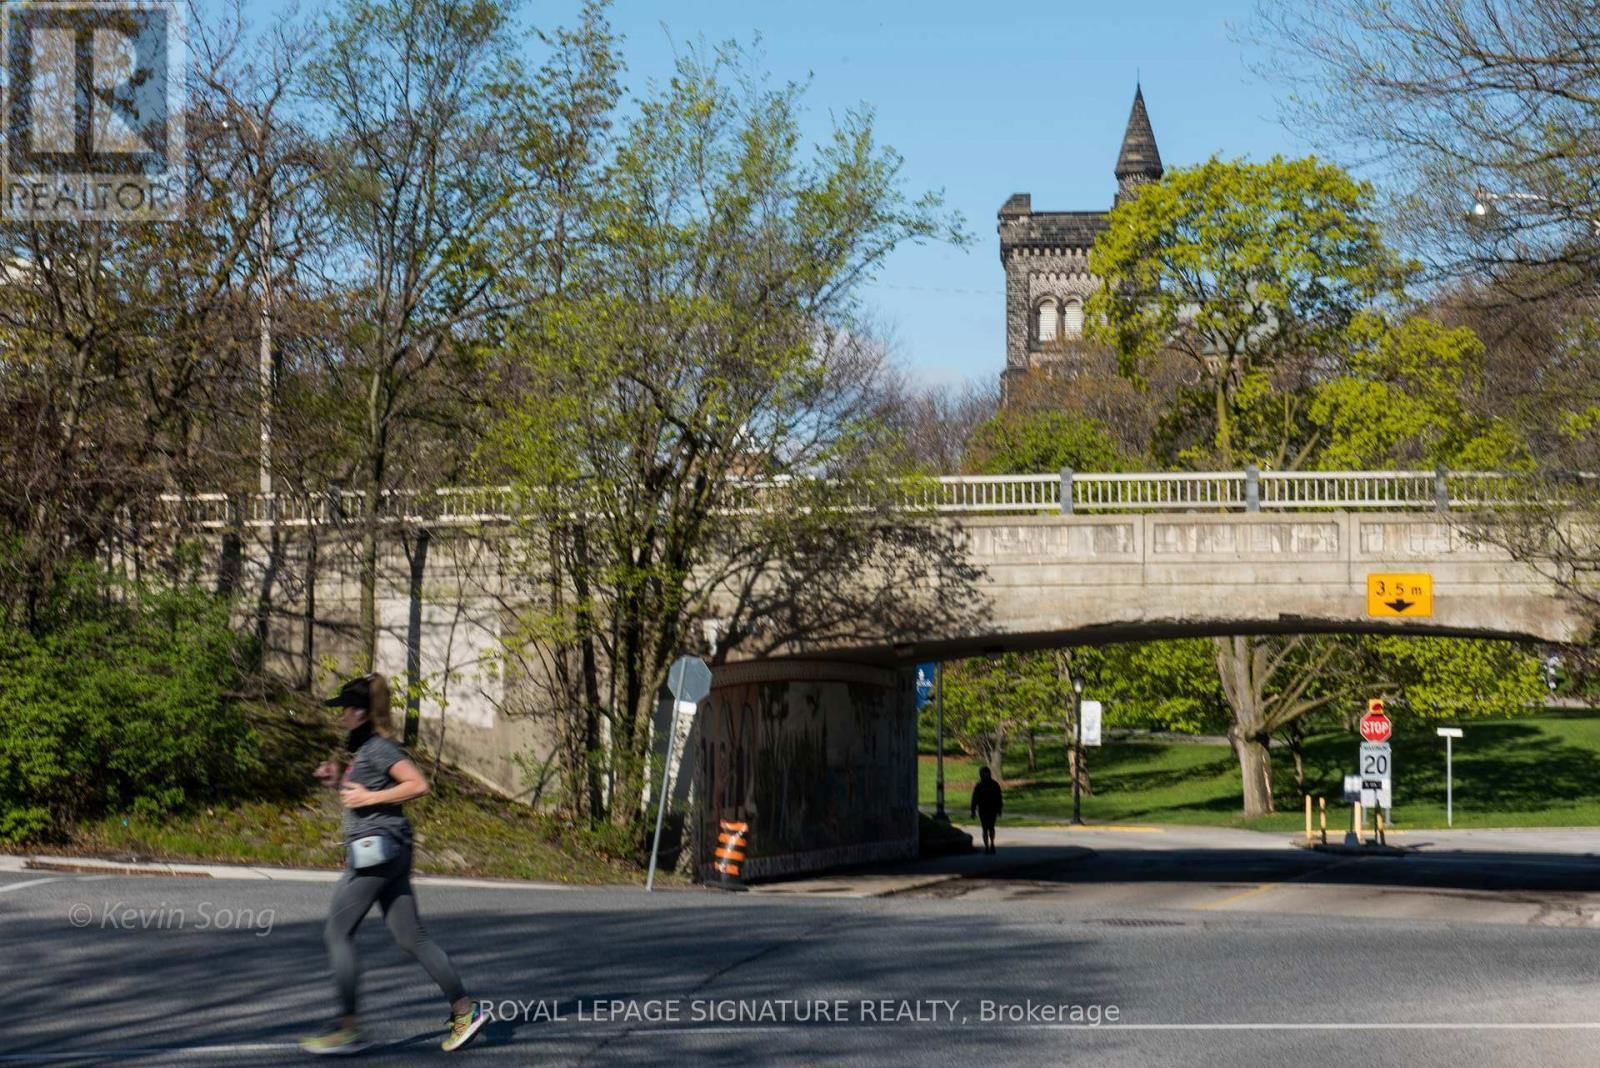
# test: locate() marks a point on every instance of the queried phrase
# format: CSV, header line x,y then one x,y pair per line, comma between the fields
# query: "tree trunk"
x,y
990,751
589,668
1033,763
371,503
1296,737
230,569
308,632
269,578
1255,767
366,655
419,567
1242,665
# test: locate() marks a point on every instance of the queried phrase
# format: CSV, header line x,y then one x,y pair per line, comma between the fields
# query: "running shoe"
x,y
463,1027
336,1040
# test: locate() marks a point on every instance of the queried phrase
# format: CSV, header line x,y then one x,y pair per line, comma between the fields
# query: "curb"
x,y
160,868
1071,853
1367,849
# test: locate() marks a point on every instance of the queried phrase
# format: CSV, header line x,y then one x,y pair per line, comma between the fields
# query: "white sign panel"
x,y
1357,789
1090,713
1377,770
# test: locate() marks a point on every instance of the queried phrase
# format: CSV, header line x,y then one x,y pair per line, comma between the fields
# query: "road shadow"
x,y
1477,870
97,992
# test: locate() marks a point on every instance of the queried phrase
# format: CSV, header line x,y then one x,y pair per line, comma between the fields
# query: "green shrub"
x,y
117,702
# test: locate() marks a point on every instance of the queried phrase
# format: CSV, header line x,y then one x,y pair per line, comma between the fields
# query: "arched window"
x,y
1047,320
1072,318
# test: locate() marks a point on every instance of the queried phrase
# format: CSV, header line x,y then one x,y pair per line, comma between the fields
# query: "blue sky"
x,y
982,100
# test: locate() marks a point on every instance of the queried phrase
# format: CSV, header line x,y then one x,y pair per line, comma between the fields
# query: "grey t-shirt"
x,y
370,768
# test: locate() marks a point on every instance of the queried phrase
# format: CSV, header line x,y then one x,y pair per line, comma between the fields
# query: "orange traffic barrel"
x,y
730,854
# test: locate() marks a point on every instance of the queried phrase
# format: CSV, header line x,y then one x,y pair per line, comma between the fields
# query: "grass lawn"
x,y
1535,772
456,834
284,818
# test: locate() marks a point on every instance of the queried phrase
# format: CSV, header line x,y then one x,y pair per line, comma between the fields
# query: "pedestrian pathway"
x,y
1020,848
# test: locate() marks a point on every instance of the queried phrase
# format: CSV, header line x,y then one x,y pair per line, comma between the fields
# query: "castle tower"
x,y
1140,160
1046,258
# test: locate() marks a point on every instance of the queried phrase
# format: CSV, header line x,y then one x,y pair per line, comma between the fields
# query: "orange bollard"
x,y
730,854
1322,817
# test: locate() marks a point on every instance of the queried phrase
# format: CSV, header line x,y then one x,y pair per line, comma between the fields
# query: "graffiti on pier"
x,y
813,765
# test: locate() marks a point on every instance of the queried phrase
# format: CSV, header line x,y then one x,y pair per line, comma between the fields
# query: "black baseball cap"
x,y
357,693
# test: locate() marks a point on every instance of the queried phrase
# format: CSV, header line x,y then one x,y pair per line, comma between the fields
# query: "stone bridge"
x,y
1082,579
818,751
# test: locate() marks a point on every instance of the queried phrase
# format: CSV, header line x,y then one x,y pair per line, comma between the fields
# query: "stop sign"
x,y
1375,727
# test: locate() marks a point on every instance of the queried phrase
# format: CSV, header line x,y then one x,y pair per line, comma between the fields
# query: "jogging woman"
x,y
379,779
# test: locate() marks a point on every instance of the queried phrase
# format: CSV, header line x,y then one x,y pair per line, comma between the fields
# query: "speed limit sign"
x,y
1377,767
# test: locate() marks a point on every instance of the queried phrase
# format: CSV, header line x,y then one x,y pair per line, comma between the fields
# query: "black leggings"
x,y
390,886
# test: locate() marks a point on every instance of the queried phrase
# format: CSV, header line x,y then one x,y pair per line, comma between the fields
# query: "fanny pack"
x,y
372,850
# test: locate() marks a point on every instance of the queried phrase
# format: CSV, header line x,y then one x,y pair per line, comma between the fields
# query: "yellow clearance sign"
x,y
1399,595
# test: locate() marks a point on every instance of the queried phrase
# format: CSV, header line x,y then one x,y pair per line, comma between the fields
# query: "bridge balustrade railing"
x,y
1199,491
1065,491
1282,490
992,493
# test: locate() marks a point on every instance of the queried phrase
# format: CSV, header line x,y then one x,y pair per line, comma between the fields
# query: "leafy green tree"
x,y
1034,441
1487,115
1169,685
1255,273
706,354
424,204
991,701
1455,678
1271,279
1252,271
118,703
1406,400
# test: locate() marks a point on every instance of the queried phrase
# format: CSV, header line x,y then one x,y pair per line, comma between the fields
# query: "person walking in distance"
x,y
987,805
379,779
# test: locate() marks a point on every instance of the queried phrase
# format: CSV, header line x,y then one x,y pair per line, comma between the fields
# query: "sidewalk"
x,y
1026,849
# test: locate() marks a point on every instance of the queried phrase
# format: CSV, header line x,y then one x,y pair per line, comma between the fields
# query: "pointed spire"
x,y
1139,157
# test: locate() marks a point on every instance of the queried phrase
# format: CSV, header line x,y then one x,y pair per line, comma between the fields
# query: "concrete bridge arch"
x,y
815,747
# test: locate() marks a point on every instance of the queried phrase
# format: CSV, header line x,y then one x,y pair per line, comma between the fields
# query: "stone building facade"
x,y
1046,259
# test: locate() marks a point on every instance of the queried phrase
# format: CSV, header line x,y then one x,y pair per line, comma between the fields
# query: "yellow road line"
x,y
1241,895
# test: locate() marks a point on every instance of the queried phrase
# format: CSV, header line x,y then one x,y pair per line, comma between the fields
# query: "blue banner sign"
x,y
925,683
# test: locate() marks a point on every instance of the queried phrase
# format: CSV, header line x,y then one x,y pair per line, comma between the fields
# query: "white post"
x,y
678,708
1449,784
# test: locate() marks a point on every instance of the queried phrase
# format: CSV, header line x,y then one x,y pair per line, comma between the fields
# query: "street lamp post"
x,y
1486,211
264,369
1077,746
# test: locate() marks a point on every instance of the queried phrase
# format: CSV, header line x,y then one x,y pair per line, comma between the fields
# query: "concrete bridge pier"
x,y
819,757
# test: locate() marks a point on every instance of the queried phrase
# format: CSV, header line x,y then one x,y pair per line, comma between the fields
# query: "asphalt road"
x,y
193,971
1536,877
